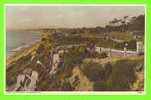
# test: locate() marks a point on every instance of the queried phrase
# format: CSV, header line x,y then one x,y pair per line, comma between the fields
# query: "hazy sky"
x,y
18,17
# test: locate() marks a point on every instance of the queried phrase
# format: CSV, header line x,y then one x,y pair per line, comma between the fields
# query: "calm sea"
x,y
18,40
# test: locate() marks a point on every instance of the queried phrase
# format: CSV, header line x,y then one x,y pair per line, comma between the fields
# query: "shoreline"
x,y
12,52
33,39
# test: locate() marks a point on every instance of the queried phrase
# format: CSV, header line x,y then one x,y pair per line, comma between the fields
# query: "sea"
x,y
18,40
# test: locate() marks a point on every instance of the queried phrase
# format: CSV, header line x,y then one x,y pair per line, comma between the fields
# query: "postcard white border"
x,y
74,92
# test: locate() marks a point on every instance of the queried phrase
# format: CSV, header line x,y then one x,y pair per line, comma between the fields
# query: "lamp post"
x,y
125,48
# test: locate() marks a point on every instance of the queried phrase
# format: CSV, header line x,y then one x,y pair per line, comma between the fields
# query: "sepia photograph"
x,y
74,48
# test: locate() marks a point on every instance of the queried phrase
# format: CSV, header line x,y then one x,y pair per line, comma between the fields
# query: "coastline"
x,y
34,38
20,48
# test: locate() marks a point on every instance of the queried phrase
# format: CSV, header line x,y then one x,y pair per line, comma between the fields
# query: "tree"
x,y
124,23
137,23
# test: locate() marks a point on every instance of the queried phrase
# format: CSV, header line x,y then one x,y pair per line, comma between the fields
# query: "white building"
x,y
139,47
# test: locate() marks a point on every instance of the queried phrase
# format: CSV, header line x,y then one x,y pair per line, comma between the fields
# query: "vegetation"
x,y
116,76
40,52
119,75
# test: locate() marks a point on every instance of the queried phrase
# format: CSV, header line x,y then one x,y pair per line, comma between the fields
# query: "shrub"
x,y
131,45
103,55
122,75
94,71
110,77
72,58
108,70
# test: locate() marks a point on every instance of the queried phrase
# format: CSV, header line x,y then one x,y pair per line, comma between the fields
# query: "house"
x,y
139,47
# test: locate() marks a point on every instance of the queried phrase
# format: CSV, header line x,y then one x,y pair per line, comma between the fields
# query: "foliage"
x,y
116,76
93,71
123,74
72,58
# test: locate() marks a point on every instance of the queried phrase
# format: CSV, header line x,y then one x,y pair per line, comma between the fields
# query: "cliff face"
x,y
27,58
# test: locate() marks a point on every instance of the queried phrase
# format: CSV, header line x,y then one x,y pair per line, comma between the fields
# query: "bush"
x,y
72,58
103,55
94,71
82,50
122,75
115,77
108,70
131,45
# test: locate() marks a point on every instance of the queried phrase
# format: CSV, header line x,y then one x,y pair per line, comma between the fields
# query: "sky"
x,y
28,17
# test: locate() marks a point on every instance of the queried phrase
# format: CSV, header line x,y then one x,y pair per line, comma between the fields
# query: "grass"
x,y
126,36
99,41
